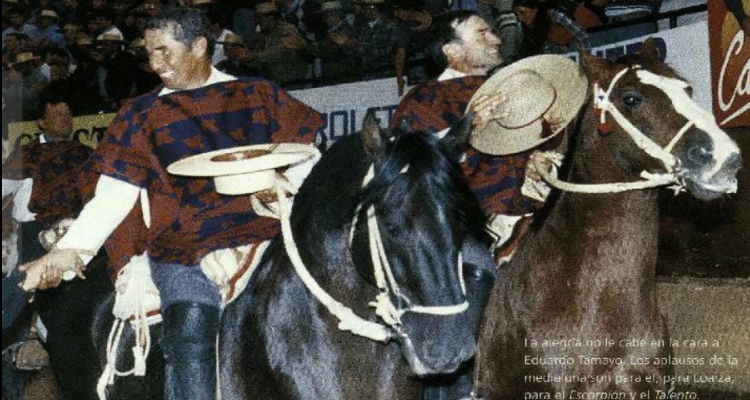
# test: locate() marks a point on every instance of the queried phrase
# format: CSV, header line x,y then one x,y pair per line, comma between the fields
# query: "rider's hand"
x,y
487,108
47,272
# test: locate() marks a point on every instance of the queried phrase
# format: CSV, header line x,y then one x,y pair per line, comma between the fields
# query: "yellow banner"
x,y
87,130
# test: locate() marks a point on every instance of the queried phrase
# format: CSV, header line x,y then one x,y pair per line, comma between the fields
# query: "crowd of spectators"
x,y
96,48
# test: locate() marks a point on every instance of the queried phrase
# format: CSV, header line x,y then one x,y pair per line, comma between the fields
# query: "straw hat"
x,y
201,2
24,58
329,6
233,39
136,44
243,170
266,8
49,14
84,40
520,126
110,37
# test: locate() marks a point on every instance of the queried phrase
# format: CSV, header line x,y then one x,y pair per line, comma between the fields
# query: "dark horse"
x,y
280,343
277,340
575,313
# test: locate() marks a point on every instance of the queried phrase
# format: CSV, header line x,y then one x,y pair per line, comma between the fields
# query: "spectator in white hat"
x,y
47,21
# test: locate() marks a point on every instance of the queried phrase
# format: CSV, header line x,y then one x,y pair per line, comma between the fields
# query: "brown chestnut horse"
x,y
575,313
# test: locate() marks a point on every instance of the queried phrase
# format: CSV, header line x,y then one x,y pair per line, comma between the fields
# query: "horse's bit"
x,y
675,89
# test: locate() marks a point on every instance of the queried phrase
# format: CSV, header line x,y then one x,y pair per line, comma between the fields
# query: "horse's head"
x,y
648,123
415,212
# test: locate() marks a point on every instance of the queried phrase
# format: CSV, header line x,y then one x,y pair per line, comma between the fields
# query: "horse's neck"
x,y
606,232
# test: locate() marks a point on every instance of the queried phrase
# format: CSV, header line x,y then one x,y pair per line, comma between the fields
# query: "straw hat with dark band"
x,y
548,87
49,14
24,58
266,8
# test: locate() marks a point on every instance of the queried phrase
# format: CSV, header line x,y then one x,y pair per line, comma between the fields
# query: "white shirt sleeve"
x,y
11,186
22,190
112,202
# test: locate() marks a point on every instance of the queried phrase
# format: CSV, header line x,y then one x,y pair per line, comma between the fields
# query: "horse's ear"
x,y
596,69
649,50
457,139
373,138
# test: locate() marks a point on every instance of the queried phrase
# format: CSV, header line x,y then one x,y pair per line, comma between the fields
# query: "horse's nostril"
x,y
699,155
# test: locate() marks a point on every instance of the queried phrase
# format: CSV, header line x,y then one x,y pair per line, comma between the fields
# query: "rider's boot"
x,y
189,345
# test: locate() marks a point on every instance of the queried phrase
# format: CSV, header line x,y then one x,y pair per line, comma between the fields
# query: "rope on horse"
x,y
136,295
348,320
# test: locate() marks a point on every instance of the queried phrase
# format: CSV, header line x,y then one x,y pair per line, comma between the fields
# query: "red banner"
x,y
730,65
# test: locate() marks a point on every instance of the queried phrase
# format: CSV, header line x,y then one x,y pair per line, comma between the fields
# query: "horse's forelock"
x,y
419,161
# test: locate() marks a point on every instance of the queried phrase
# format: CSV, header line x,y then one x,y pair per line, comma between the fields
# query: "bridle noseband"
x,y
675,89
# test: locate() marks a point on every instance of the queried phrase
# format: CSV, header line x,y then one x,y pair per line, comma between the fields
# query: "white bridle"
x,y
384,307
675,89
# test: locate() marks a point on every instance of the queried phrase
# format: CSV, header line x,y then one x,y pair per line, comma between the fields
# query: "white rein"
x,y
545,164
386,282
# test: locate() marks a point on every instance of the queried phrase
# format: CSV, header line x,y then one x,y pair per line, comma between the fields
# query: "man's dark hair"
x,y
187,25
444,32
55,93
20,10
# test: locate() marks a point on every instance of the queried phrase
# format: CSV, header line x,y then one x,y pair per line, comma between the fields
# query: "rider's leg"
x,y
191,313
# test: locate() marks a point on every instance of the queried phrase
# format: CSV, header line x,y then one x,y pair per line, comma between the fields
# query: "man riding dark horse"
x,y
197,109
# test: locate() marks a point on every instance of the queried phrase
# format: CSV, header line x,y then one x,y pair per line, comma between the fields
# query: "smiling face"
x,y
179,66
476,50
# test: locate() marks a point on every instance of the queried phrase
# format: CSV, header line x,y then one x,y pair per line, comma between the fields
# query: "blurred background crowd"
x,y
96,49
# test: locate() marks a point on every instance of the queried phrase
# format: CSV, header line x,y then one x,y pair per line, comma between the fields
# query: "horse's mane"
x,y
417,158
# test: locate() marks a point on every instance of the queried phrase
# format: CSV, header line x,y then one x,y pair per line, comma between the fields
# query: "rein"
x,y
545,164
386,282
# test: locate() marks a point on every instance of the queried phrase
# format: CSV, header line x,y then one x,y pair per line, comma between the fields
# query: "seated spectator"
x,y
239,60
71,31
32,83
70,10
413,21
115,66
220,31
42,175
301,14
279,47
105,22
338,46
56,65
144,78
547,30
13,45
376,40
49,31
18,24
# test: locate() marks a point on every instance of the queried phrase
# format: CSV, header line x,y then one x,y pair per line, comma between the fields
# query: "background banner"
x,y
730,66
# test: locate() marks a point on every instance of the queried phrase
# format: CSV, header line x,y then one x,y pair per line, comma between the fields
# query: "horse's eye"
x,y
631,100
